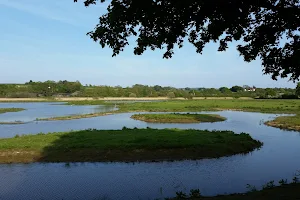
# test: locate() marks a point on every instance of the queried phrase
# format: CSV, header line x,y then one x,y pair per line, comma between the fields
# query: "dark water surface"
x,y
278,158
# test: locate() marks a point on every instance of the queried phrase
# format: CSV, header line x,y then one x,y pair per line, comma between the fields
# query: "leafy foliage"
x,y
269,185
171,95
298,89
236,88
49,88
265,29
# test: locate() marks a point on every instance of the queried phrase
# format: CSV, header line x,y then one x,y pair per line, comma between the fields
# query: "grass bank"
x,y
178,118
88,102
284,192
286,122
124,145
265,106
5,110
251,105
71,117
12,123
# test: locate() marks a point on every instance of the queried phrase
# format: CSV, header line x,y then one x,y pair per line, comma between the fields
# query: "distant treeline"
x,y
76,89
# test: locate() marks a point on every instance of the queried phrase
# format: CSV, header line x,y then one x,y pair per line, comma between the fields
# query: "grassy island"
x,y
71,117
286,122
5,110
124,145
178,118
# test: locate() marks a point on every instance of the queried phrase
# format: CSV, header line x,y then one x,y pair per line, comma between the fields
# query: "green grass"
x,y
252,105
286,122
71,117
265,106
88,102
178,118
5,110
124,145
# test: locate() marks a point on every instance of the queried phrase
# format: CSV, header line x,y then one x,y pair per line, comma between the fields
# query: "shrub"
x,y
289,96
21,95
283,182
269,185
133,95
171,95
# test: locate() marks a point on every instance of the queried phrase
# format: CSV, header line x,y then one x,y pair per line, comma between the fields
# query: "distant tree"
x,y
270,92
224,89
289,96
237,89
298,89
157,88
188,95
171,95
265,29
29,82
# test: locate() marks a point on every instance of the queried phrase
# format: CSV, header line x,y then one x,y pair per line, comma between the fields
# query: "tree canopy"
x,y
298,89
264,29
76,89
236,88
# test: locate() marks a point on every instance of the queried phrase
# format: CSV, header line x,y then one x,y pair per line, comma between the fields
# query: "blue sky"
x,y
46,40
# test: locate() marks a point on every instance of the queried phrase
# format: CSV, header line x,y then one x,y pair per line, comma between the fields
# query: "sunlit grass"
x,y
178,118
125,145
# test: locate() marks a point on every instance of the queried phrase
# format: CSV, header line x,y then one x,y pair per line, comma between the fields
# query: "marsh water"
x,y
279,158
45,110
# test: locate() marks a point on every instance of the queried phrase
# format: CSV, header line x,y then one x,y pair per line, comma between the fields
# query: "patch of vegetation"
x,y
88,102
71,117
284,191
124,145
286,122
12,123
5,110
265,106
178,118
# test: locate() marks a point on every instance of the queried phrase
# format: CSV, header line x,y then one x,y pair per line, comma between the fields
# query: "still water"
x,y
278,158
46,110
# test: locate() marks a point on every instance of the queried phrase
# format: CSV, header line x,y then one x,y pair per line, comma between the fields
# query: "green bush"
x,y
171,95
133,95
